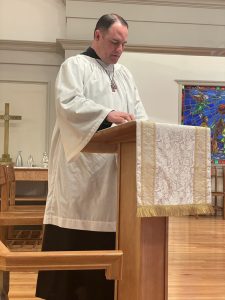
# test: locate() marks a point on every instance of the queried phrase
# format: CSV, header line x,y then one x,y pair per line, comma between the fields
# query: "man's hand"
x,y
119,117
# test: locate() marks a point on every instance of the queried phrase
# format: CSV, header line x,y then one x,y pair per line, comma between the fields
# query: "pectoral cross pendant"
x,y
113,86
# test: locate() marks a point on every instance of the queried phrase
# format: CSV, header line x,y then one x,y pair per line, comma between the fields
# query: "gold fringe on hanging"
x,y
175,210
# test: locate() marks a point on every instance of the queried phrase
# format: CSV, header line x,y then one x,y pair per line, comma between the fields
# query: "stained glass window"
x,y
205,106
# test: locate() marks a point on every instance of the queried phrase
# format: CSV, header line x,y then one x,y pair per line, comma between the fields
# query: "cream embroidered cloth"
x,y
173,170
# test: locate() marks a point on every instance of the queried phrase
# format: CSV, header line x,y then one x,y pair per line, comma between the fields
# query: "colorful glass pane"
x,y
205,106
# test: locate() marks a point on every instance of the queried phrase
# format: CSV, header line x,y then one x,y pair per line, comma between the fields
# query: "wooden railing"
x,y
10,213
108,260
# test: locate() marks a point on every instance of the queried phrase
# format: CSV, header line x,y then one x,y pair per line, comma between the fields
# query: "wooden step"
x,y
21,218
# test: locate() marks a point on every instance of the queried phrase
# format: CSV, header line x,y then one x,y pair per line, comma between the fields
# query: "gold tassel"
x,y
174,210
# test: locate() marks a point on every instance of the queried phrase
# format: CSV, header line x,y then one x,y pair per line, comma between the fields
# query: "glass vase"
x,y
19,159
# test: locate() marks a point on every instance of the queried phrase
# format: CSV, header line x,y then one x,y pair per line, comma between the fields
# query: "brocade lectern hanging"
x,y
173,170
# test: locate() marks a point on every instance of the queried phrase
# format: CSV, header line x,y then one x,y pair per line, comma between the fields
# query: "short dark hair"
x,y
106,21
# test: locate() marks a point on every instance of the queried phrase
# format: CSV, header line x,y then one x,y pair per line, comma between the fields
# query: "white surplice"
x,y
82,186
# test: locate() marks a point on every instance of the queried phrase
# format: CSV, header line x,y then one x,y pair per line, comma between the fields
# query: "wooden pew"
x,y
109,260
218,188
10,213
30,177
9,184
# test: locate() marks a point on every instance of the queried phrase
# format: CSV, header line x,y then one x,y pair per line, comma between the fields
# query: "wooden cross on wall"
x,y
6,118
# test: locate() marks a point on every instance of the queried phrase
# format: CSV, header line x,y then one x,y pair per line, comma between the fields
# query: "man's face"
x,y
111,43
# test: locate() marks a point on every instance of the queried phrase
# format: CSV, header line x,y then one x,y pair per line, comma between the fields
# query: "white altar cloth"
x,y
173,170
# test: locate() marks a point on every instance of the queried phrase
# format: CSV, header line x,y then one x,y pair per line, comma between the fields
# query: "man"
x,y
92,92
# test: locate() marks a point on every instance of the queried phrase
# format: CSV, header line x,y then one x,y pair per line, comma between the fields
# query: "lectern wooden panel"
x,y
142,240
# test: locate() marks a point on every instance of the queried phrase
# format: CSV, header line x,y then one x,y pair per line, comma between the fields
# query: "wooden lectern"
x,y
143,240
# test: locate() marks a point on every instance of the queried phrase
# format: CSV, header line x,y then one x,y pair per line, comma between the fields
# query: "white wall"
x,y
156,76
161,25
32,20
27,81
30,101
47,20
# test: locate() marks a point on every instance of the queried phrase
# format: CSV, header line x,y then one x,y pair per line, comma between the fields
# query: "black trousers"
x,y
77,284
